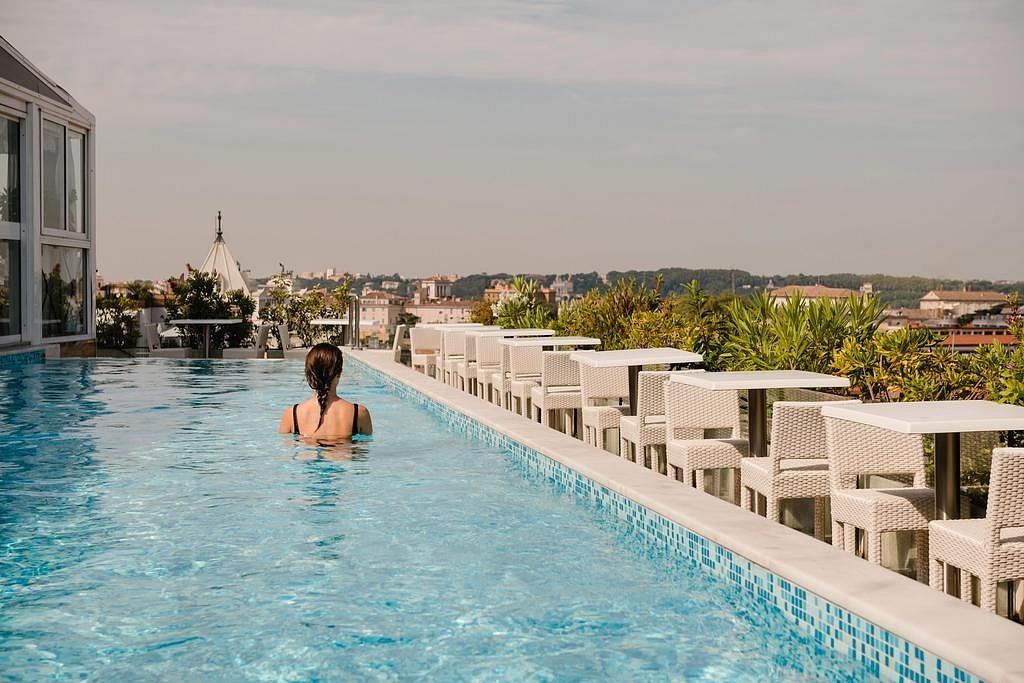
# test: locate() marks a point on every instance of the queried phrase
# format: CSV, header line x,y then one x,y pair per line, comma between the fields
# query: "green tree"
x,y
198,295
524,308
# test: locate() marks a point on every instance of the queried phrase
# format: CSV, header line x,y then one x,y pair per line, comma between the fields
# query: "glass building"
x,y
47,212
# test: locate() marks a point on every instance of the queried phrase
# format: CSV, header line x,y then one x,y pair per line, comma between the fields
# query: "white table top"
x,y
762,379
550,341
932,417
340,322
511,332
628,357
454,326
206,321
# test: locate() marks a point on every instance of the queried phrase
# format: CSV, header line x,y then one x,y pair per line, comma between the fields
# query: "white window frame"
x,y
10,231
88,285
82,238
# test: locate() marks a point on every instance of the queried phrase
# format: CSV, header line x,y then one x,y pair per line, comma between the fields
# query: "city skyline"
x,y
780,139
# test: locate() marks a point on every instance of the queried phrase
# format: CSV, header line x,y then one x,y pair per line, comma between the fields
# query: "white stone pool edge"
x,y
990,647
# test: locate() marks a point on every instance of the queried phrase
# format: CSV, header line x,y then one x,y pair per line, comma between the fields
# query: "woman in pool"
x,y
325,415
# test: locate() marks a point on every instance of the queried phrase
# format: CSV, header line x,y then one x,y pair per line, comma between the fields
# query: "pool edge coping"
x,y
985,645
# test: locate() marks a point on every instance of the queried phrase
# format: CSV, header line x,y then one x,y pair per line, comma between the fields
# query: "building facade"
x,y
47,211
961,303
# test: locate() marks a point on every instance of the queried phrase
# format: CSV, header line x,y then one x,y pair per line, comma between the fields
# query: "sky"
x,y
469,136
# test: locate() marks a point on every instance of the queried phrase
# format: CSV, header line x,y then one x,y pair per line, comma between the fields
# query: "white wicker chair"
x,y
152,335
598,388
424,343
796,466
465,369
690,412
488,364
646,430
981,547
453,352
259,351
856,450
525,364
559,388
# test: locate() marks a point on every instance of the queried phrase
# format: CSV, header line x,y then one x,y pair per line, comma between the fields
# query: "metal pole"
x,y
634,382
947,476
757,422
355,325
947,492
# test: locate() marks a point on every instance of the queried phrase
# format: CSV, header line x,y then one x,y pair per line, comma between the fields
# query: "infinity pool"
x,y
153,526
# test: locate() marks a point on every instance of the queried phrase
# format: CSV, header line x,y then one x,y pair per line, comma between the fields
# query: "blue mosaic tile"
x,y
885,654
11,360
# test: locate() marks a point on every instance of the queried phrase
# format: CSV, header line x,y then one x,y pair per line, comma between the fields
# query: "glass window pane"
x,y
53,176
64,295
10,288
76,181
10,148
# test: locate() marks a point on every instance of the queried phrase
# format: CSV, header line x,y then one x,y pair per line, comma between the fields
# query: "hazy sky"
x,y
480,135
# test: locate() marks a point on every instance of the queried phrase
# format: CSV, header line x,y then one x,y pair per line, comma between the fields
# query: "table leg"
x,y
634,382
947,489
206,341
757,422
947,476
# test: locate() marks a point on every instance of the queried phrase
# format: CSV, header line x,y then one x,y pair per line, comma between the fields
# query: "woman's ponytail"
x,y
323,365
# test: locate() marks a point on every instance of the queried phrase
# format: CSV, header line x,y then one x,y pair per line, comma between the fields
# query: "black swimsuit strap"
x,y
295,419
355,419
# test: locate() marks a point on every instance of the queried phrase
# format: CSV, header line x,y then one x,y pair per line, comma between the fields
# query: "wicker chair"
x,y
690,412
796,466
465,369
559,388
856,450
980,547
639,433
524,368
598,388
453,352
488,364
424,343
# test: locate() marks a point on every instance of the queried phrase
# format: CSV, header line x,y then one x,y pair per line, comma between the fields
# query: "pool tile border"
x,y
884,653
16,357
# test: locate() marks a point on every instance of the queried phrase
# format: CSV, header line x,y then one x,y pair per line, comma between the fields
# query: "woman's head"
x,y
323,367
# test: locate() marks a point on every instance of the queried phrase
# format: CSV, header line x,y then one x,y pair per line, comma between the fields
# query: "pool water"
x,y
154,526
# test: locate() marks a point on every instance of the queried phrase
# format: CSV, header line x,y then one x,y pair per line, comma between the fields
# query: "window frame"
x,y
88,284
10,230
82,238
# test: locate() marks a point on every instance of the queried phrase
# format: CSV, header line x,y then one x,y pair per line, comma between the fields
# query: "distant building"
x,y
441,312
961,303
436,288
899,318
810,293
499,291
390,285
47,211
966,341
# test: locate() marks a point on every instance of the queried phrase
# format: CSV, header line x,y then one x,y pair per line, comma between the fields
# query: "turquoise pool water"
x,y
153,526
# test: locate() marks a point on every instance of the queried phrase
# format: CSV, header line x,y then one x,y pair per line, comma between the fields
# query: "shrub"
x,y
117,322
198,295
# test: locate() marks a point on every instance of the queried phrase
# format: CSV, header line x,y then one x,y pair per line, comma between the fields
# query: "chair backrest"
x,y
558,370
396,345
603,384
525,360
152,334
856,449
798,430
690,410
454,344
650,394
488,351
424,340
282,332
1006,490
262,334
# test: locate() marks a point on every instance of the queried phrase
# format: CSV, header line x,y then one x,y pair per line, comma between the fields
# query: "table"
x,y
551,342
510,332
634,360
946,420
206,324
756,383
